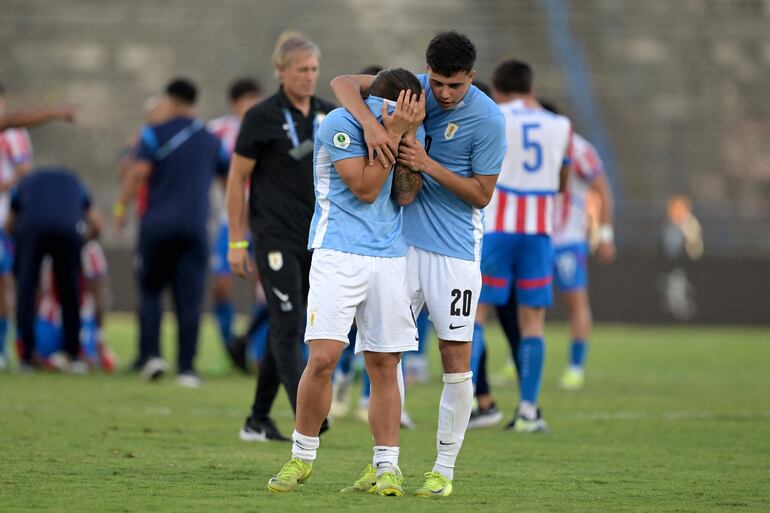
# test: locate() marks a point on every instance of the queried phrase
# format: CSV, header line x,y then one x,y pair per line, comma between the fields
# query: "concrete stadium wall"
x,y
681,86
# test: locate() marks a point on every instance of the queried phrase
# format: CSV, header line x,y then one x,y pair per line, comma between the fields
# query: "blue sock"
x,y
224,312
531,355
366,386
477,349
3,333
577,353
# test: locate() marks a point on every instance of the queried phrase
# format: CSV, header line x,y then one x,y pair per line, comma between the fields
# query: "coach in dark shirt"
x,y
175,164
275,151
50,215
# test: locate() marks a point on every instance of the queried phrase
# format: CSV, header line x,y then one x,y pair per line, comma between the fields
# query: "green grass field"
x,y
671,420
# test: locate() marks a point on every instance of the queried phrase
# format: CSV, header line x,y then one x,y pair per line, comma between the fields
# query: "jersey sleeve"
x,y
489,147
342,137
20,149
247,143
148,145
588,164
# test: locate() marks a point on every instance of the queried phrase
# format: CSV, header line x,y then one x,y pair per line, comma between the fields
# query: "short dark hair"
x,y
549,106
182,90
450,52
371,70
242,87
390,82
513,76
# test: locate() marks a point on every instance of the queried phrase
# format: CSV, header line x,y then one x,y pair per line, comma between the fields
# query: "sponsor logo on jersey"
x,y
341,140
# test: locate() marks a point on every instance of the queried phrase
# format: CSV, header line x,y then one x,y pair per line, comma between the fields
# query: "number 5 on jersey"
x,y
529,144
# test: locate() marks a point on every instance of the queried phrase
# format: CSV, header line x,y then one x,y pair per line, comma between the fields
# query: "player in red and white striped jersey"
x,y
15,162
517,255
571,249
48,327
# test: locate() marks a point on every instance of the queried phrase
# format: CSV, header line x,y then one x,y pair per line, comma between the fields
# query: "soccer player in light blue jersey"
x,y
358,272
443,227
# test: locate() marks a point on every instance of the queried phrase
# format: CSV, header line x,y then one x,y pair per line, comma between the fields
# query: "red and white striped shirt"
x,y
15,150
93,266
570,217
538,145
226,128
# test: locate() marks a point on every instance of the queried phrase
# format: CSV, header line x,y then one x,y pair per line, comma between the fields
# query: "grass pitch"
x,y
671,420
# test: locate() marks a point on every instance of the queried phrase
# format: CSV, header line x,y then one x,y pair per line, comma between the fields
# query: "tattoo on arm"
x,y
406,185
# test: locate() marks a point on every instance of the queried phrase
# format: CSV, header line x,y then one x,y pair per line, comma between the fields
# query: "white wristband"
x,y
606,234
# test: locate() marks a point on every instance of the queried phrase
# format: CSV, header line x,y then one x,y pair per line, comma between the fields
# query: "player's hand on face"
x,y
412,154
605,252
239,261
404,116
377,140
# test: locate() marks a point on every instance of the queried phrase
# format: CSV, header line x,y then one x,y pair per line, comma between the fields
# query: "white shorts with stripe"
x,y
371,290
450,288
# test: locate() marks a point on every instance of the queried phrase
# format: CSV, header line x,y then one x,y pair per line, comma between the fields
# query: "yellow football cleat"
x,y
364,483
436,485
291,476
389,484
572,379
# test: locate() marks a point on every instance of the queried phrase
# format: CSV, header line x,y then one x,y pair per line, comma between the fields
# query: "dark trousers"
x,y
509,320
64,249
284,276
181,262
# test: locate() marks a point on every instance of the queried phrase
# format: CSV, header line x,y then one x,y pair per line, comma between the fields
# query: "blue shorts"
x,y
218,261
571,266
6,253
520,260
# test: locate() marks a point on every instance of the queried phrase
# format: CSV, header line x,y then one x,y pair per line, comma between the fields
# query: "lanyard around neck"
x,y
292,130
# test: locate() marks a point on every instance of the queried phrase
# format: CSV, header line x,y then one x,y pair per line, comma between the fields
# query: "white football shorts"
x,y
371,290
449,287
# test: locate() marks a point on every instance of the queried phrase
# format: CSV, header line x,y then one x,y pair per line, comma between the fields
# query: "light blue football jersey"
x,y
341,221
468,139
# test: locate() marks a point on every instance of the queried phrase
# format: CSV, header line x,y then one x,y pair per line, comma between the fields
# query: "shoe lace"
x,y
291,469
366,475
434,480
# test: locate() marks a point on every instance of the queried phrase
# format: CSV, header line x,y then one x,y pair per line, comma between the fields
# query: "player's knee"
x,y
322,362
455,356
382,364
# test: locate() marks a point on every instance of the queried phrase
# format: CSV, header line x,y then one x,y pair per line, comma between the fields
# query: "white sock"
x,y
528,410
304,447
385,459
453,415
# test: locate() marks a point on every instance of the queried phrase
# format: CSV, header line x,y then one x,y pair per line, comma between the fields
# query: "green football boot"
x,y
436,485
364,483
291,476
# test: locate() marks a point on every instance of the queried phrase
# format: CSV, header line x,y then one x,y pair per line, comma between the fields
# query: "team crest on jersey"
x,y
451,130
275,260
312,318
341,140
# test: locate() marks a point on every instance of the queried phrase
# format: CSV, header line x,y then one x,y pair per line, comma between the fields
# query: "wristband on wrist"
x,y
118,209
606,234
238,244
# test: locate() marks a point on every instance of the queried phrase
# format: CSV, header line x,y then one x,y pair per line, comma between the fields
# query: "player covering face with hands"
x,y
358,273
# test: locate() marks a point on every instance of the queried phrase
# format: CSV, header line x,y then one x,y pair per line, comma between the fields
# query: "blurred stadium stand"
x,y
678,89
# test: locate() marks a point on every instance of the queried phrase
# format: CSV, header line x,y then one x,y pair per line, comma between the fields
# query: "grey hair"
x,y
288,42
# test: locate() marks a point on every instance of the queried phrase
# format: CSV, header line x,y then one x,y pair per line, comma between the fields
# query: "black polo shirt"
x,y
282,196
